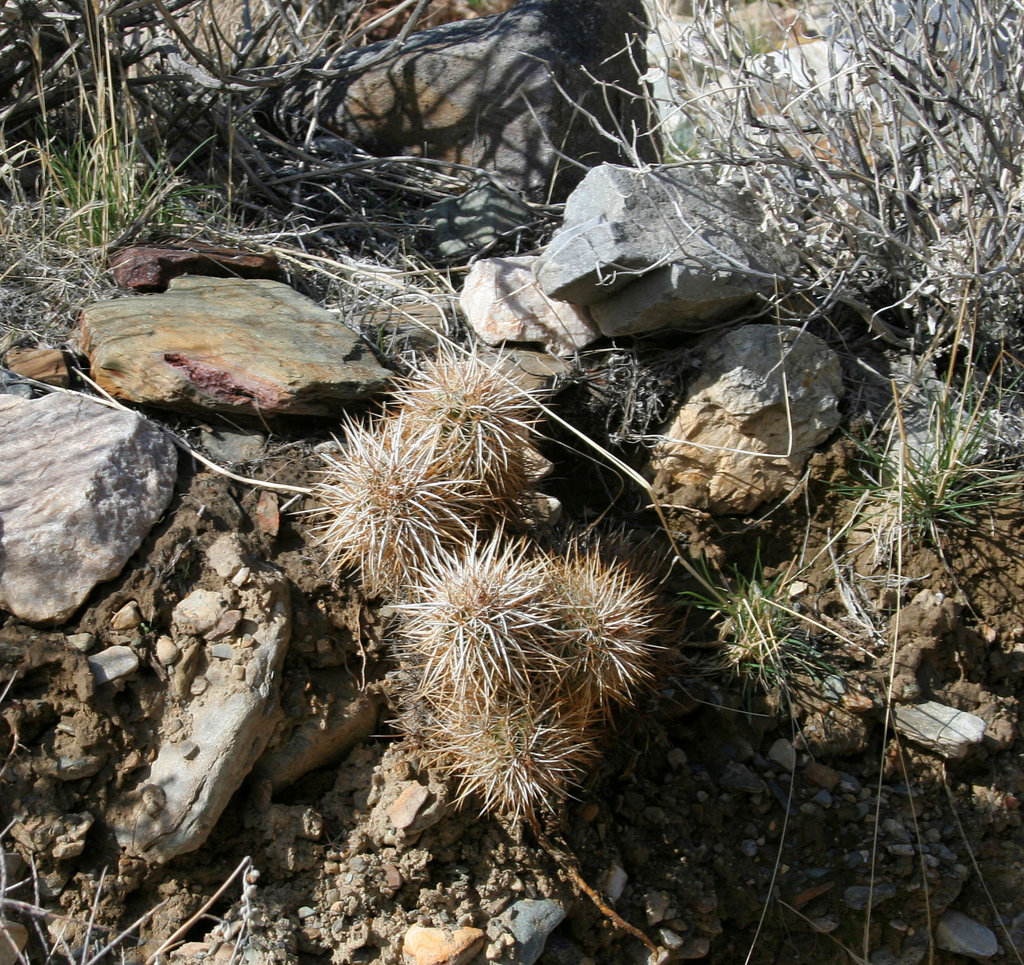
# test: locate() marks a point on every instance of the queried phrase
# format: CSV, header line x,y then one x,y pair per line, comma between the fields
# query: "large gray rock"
x,y
622,223
80,487
510,94
765,397
250,347
225,711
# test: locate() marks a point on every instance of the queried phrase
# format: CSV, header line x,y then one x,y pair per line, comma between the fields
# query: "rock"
x,y
622,223
14,385
822,775
82,642
679,297
46,365
13,939
765,397
166,651
80,487
150,268
208,741
958,933
254,348
350,717
475,220
230,445
509,93
529,921
613,882
403,812
783,753
945,730
502,303
113,664
437,946
535,372
129,617
858,897
739,777
199,612
656,903
414,321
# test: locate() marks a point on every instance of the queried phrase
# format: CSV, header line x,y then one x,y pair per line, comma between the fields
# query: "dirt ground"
x,y
727,823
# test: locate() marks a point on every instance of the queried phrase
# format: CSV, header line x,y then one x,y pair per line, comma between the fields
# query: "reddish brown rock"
x,y
435,946
246,347
150,268
46,365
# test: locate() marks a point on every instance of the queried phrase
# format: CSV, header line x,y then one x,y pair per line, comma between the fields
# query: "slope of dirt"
x,y
693,823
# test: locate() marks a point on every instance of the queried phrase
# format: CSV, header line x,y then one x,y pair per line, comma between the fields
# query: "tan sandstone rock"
x,y
766,396
254,347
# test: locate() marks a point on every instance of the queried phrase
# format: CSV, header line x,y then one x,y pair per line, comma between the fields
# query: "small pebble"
x,y
129,617
739,777
613,882
531,921
199,686
655,906
166,652
677,758
82,642
403,812
437,946
113,664
783,753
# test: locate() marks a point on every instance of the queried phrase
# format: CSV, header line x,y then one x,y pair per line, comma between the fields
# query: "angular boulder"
x,y
80,487
765,397
692,246
513,94
253,347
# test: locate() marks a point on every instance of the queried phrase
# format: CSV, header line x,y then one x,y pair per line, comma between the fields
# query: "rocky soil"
x,y
725,821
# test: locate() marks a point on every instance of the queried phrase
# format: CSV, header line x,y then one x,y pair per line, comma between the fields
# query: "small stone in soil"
x,y
113,664
956,932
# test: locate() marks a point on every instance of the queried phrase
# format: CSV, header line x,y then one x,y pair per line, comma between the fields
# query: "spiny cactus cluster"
x,y
517,655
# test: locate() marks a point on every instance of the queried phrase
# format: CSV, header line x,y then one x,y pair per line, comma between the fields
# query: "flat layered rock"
x,y
150,268
224,711
80,487
253,347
